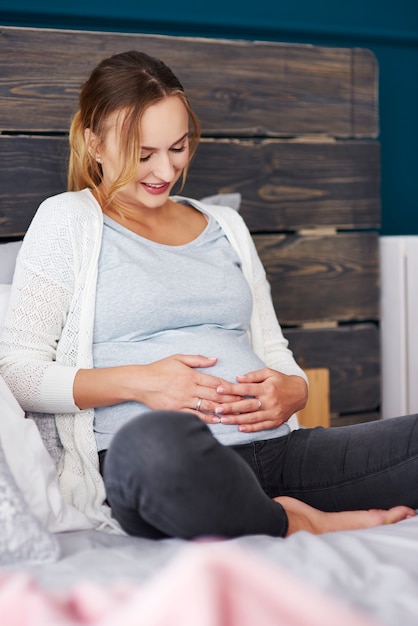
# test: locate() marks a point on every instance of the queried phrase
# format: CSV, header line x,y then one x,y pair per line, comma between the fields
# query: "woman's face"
x,y
164,153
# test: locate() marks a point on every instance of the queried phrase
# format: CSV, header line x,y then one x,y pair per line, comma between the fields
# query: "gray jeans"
x,y
167,476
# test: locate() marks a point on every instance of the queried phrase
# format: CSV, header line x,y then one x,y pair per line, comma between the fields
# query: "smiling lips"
x,y
156,188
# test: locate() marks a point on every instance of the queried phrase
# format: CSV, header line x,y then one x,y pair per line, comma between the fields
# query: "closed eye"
x,y
176,150
181,148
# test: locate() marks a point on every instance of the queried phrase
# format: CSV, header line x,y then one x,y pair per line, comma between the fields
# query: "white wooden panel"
x,y
399,325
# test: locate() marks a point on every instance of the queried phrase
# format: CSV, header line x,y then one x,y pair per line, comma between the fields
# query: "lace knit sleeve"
x,y
42,293
268,336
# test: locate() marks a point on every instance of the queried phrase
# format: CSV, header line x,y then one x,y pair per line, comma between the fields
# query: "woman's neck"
x,y
171,224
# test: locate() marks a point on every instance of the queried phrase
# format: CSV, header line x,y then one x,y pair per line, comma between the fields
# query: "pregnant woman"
x,y
141,326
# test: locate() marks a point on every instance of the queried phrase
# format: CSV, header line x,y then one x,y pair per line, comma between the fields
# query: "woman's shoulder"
x,y
63,223
70,212
69,207
76,200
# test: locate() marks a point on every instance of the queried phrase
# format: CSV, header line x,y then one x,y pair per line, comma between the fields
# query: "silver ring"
x,y
199,402
259,404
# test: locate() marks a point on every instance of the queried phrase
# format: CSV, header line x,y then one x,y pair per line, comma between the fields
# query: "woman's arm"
x,y
39,302
172,383
268,397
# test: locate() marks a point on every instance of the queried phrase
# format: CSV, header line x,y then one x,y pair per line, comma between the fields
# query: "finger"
x,y
205,406
211,407
204,379
238,389
213,397
254,377
252,428
196,360
240,419
208,418
245,407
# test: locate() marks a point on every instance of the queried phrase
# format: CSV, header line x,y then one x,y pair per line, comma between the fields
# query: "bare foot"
x,y
301,516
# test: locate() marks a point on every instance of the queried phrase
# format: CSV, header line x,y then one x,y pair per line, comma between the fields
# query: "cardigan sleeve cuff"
x,y
292,369
57,389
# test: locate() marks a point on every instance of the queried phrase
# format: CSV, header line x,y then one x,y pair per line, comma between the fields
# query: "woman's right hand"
x,y
173,383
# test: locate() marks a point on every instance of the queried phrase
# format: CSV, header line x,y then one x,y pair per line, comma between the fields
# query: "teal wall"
x,y
388,27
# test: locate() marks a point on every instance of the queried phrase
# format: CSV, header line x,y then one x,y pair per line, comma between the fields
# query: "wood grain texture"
x,y
363,76
289,185
319,278
352,355
316,411
31,169
264,88
355,418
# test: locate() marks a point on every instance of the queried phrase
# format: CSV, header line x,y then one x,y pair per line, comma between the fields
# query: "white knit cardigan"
x,y
48,331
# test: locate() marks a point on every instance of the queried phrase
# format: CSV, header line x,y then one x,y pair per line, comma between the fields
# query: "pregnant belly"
x,y
234,355
232,349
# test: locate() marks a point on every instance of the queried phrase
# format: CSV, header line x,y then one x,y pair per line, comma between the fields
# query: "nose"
x,y
163,167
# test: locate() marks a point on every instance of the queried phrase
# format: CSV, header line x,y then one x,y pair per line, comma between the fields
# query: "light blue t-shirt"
x,y
155,300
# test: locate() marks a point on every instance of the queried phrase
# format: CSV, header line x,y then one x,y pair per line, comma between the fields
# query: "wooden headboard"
x,y
291,127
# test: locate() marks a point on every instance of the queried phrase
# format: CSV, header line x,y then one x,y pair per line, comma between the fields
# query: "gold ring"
x,y
259,403
199,402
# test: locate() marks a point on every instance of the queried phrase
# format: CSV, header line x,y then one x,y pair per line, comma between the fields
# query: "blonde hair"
x,y
129,82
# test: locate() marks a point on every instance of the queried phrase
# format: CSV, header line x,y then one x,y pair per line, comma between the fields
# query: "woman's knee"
x,y
158,428
155,444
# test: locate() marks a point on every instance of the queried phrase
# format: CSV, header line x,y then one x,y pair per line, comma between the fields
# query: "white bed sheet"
x,y
374,570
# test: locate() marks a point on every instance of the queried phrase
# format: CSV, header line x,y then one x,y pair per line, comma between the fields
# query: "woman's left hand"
x,y
268,399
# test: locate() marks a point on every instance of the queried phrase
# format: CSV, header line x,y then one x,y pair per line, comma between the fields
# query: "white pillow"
x,y
23,539
8,254
232,200
33,469
30,464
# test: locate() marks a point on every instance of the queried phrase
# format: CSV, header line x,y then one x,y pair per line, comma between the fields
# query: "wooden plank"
x,y
293,185
320,278
31,169
285,186
316,411
352,355
364,75
263,88
355,418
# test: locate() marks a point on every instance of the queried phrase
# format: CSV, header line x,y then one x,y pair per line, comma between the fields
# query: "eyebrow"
x,y
173,144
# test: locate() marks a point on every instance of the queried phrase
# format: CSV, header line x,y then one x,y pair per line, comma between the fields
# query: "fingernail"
x,y
219,410
215,420
220,389
224,420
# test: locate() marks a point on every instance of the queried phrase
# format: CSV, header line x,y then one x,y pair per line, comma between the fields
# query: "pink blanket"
x,y
208,584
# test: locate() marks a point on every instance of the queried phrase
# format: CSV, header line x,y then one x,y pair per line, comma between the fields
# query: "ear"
x,y
92,144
